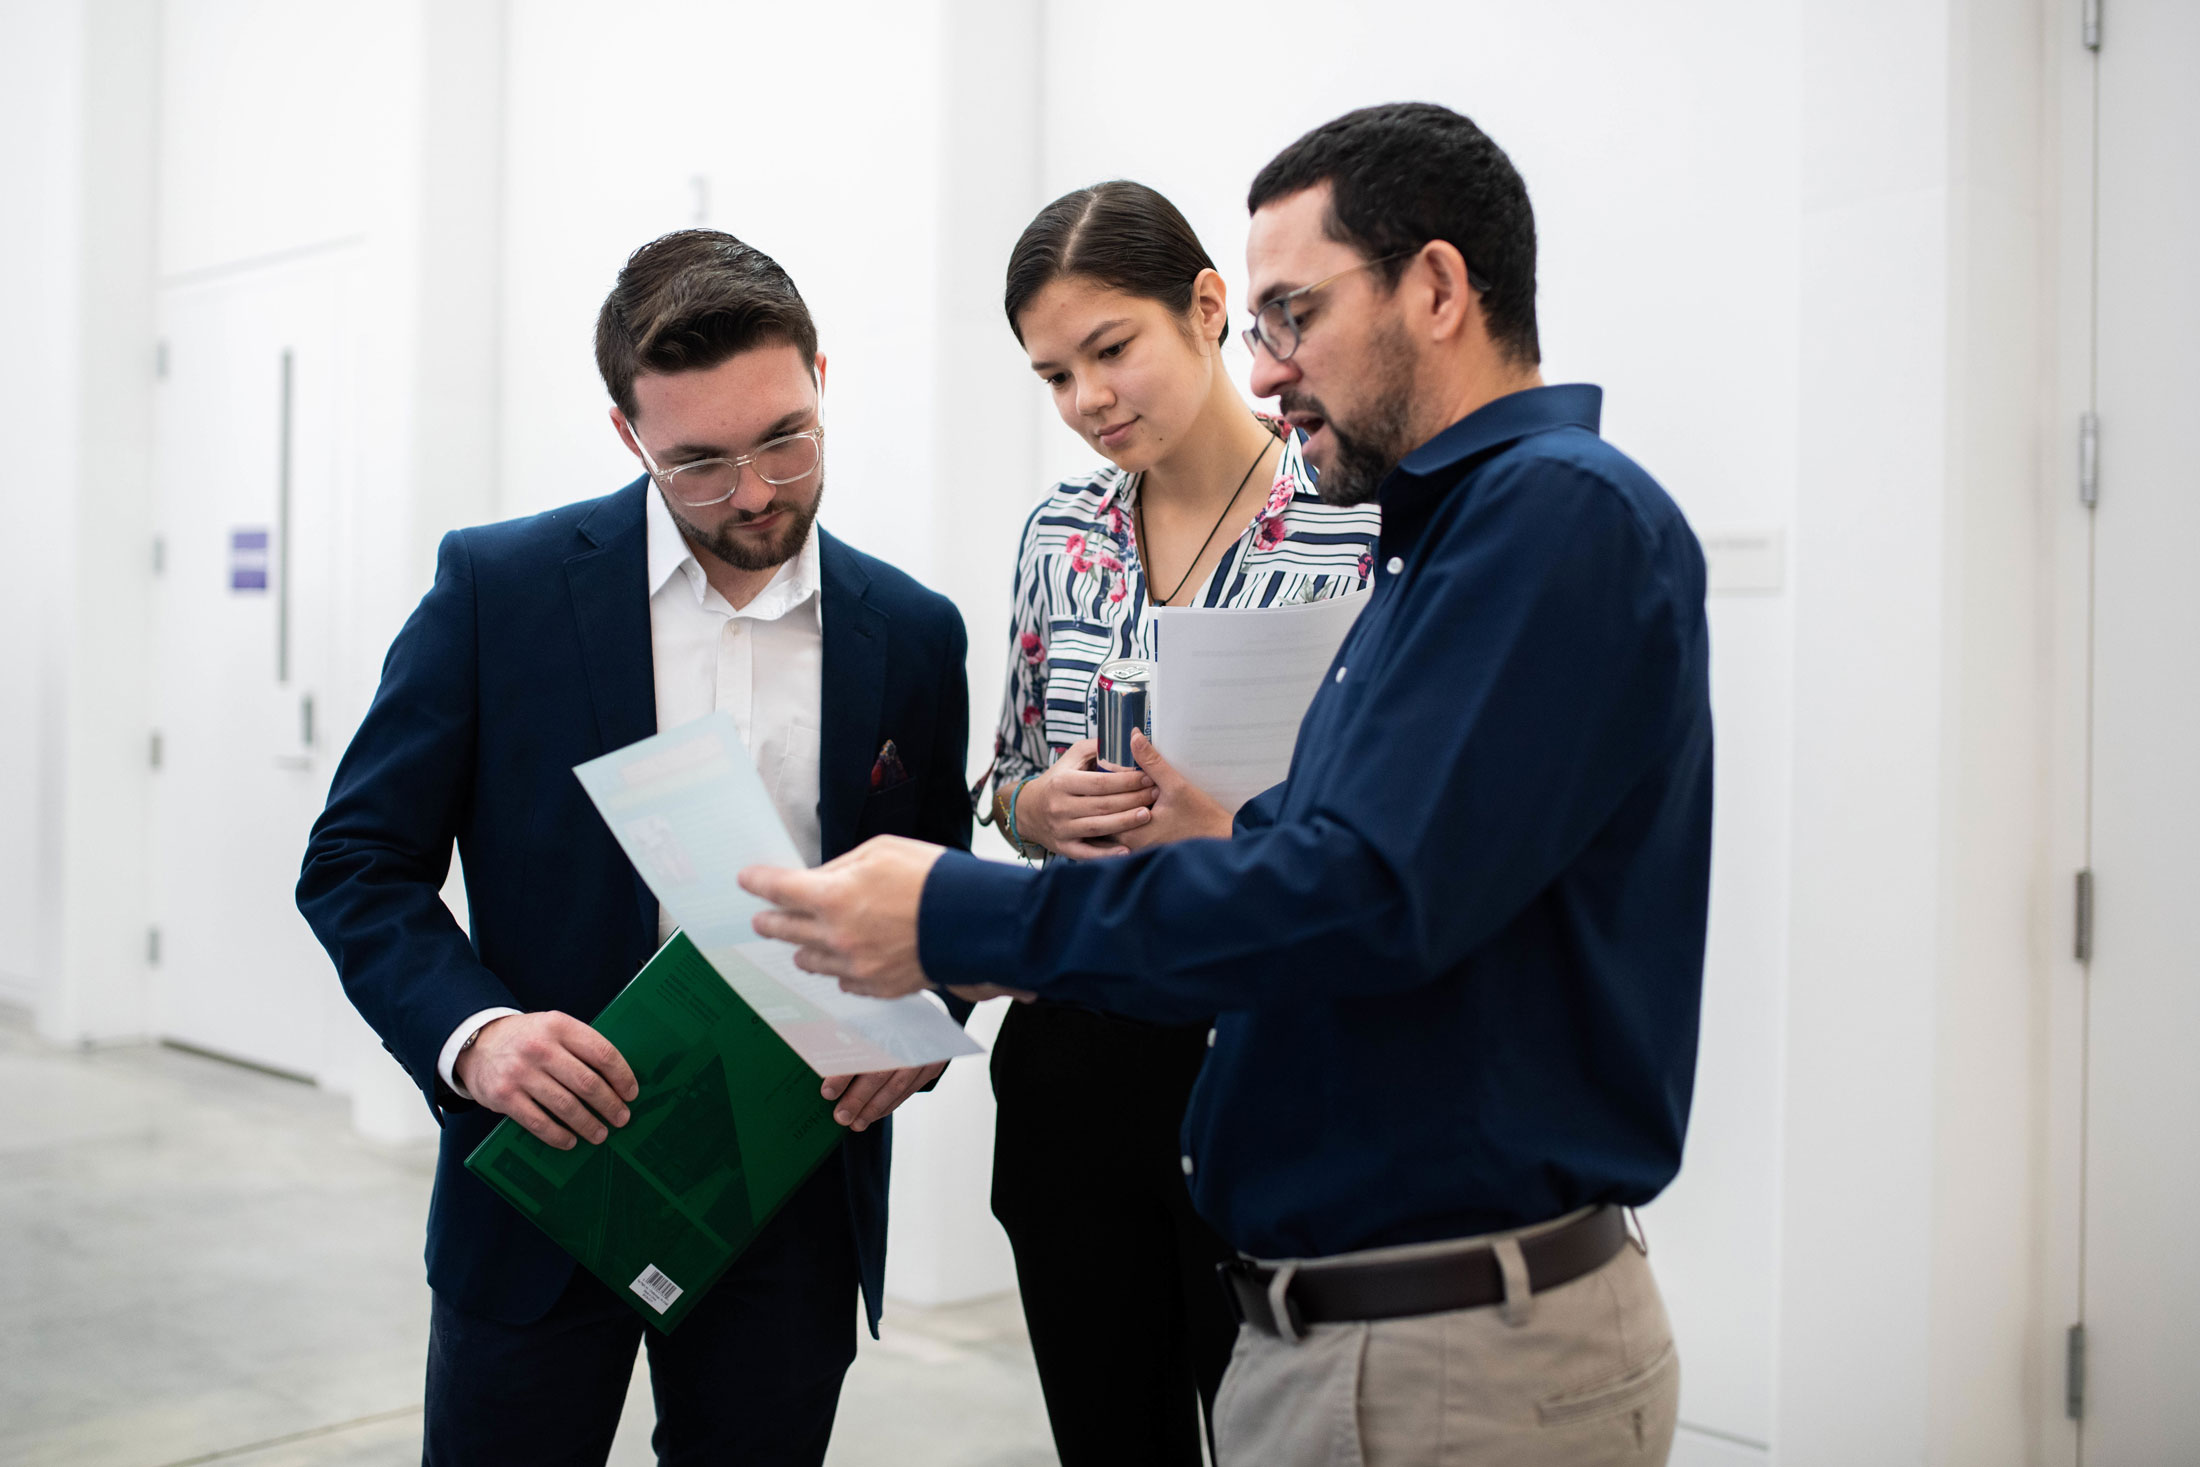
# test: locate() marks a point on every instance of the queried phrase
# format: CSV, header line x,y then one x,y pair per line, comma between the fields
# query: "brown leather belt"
x,y
1341,1293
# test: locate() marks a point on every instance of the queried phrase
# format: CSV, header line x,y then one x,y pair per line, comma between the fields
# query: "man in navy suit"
x,y
544,642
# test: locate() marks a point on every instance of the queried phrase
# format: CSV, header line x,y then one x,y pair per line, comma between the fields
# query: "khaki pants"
x,y
1581,1375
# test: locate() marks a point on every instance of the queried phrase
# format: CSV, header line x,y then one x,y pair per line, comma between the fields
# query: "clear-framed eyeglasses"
x,y
1276,328
784,460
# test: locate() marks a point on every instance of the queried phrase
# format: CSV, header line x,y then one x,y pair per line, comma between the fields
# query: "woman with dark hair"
x,y
1201,502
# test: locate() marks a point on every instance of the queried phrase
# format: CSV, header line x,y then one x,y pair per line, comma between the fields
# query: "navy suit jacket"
x,y
531,654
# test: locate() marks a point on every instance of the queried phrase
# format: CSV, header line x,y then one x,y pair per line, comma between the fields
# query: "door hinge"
x,y
152,752
160,555
160,360
2074,1373
2089,27
152,946
2089,458
2082,944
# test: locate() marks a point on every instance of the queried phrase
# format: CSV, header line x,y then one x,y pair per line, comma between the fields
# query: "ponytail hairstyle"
x,y
1121,234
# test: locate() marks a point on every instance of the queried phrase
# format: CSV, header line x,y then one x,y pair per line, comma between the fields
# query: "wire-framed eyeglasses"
x,y
787,459
1276,328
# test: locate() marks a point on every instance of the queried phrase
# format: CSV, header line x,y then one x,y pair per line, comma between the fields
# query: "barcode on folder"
x,y
658,1291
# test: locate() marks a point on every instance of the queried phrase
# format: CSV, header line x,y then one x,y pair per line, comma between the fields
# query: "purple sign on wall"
x,y
248,560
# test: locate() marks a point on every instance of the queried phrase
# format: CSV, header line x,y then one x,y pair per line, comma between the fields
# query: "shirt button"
x,y
1397,564
1340,674
1210,1039
1187,1164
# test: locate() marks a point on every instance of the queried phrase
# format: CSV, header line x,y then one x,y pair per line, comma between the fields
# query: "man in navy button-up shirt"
x,y
1457,956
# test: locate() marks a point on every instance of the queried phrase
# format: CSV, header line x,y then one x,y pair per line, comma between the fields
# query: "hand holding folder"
x,y
729,1121
555,1075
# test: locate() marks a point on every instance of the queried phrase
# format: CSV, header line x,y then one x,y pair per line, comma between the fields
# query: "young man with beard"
x,y
703,585
1458,955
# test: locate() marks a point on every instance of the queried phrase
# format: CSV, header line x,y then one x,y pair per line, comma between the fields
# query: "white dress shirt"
x,y
764,663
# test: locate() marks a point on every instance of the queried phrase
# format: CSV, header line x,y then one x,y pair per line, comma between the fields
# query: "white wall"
x,y
76,405
1868,658
106,778
1995,1390
831,167
1916,1139
40,73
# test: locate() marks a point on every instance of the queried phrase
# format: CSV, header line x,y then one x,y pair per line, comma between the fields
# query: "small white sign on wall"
x,y
1745,562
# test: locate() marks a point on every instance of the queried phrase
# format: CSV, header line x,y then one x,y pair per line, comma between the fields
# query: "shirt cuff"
x,y
467,1028
970,921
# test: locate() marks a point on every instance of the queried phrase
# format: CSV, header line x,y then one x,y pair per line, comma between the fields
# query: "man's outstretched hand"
x,y
855,917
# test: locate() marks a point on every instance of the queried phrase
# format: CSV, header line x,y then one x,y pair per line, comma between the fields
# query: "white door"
x,y
2142,1161
252,453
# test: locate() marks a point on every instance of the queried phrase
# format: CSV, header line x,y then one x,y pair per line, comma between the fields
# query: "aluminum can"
x,y
1122,700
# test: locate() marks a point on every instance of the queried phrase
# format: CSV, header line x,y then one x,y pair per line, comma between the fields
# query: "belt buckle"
x,y
1277,1312
1266,1305
1290,1326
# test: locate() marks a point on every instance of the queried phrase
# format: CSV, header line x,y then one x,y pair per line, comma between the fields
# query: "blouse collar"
x,y
1292,478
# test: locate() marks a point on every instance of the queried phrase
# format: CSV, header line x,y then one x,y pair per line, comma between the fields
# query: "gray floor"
x,y
202,1264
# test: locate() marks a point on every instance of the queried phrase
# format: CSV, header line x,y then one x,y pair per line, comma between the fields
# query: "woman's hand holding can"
x,y
1077,809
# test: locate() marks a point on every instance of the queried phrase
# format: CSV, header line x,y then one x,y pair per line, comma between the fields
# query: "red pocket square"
x,y
887,770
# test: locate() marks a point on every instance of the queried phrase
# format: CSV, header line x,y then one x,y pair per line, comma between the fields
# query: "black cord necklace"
x,y
1140,509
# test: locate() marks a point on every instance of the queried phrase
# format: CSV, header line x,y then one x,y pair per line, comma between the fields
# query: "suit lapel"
x,y
854,692
609,584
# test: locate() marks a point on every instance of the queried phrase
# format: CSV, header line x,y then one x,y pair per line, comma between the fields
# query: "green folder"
x,y
728,1124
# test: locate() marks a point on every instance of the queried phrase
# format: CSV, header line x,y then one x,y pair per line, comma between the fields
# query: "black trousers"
x,y
1128,1321
751,1378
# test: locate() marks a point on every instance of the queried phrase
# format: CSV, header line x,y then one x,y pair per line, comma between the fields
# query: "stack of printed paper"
x,y
691,813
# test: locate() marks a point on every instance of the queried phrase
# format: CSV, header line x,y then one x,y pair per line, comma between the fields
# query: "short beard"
x,y
1369,450
746,555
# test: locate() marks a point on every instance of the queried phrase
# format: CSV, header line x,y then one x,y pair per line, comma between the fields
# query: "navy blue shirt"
x,y
1457,956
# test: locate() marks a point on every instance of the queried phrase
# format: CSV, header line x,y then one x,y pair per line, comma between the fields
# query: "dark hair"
x,y
1124,235
1404,174
688,301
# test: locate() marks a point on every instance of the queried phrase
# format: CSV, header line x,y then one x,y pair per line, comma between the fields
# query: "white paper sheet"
x,y
690,812
1231,688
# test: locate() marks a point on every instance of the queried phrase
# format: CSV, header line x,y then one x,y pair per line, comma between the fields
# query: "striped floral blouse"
x,y
1081,592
